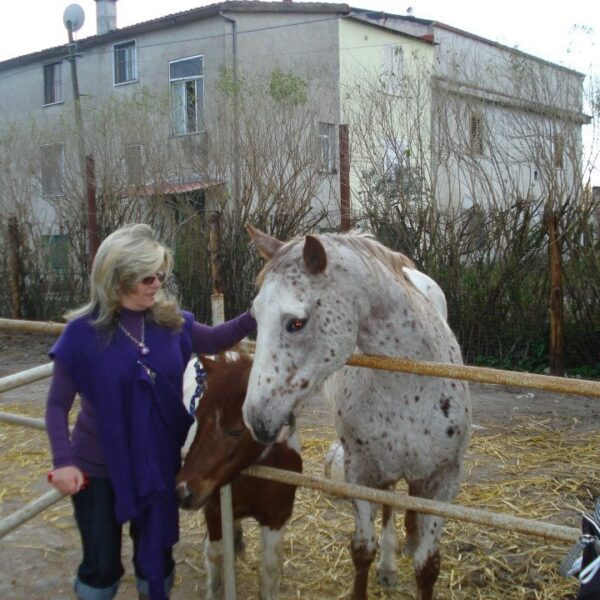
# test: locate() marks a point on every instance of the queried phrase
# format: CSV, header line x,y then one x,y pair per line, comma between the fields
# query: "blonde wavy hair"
x,y
123,259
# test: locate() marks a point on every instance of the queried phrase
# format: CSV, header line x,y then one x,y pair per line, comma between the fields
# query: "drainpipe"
x,y
236,122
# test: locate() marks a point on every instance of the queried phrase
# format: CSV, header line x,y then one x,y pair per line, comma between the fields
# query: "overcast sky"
x,y
566,32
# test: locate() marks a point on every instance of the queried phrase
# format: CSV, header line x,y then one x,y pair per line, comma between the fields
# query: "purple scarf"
x,y
142,424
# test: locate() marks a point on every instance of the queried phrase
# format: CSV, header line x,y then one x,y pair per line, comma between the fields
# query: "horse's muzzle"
x,y
187,499
268,435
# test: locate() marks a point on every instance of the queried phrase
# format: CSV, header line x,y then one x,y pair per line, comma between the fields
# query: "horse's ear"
x,y
314,255
208,364
266,245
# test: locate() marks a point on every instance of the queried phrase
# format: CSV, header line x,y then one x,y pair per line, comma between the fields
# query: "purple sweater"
x,y
83,447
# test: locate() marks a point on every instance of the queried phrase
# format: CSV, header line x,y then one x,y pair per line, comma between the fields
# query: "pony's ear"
x,y
208,364
314,255
266,245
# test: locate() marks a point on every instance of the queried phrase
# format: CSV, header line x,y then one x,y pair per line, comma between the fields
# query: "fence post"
x,y
15,268
557,342
218,316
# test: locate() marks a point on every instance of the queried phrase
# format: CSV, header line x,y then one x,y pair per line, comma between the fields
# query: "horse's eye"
x,y
295,325
235,432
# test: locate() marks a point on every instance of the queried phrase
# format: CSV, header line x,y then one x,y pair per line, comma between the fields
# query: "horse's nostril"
x,y
262,433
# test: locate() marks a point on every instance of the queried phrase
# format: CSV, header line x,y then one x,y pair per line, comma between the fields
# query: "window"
x,y
476,133
395,155
125,64
53,87
52,167
57,251
327,146
393,68
133,164
186,78
187,205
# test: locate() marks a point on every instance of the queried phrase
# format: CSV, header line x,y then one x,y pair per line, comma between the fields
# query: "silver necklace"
x,y
139,343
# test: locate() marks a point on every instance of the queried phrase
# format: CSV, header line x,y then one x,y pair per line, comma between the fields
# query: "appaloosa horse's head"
x,y
306,329
223,445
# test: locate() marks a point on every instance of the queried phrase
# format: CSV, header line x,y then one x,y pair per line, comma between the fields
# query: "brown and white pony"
x,y
223,447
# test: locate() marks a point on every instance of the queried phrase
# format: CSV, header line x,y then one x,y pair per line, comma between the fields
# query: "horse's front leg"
x,y
363,546
213,558
271,562
387,568
423,531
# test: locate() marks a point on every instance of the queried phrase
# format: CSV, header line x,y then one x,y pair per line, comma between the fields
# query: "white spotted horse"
x,y
322,298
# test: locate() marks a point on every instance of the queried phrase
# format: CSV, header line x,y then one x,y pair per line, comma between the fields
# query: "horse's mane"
x,y
227,378
363,244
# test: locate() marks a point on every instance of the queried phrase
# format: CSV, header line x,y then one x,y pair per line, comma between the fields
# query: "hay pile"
x,y
523,468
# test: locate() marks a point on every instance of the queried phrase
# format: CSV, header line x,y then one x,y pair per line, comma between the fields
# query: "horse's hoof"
x,y
387,578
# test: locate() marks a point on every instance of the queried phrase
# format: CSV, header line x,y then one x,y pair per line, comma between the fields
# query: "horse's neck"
x,y
394,319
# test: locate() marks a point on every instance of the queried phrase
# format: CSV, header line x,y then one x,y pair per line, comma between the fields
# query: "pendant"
x,y
144,350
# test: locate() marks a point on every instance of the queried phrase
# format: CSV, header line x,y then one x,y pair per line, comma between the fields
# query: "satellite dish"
x,y
73,17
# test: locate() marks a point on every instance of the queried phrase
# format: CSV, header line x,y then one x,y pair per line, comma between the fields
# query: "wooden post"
x,y
557,338
344,178
218,316
218,308
15,268
92,225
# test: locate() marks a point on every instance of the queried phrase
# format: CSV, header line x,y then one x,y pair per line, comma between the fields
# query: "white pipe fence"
x,y
451,511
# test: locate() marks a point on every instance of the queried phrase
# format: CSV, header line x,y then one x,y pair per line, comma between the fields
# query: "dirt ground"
x,y
38,560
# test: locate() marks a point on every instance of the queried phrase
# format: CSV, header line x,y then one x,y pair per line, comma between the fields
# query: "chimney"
x,y
106,16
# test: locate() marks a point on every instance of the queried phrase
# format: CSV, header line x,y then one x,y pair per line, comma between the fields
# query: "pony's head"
x,y
223,446
306,329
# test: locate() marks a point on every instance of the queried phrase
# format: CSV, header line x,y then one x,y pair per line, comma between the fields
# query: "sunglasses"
x,y
150,279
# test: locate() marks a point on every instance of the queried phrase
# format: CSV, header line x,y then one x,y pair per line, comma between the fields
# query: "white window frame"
x,y
52,176
393,68
327,151
56,86
186,120
127,49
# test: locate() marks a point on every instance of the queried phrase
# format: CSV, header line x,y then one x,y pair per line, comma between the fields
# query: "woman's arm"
x,y
58,405
212,340
66,477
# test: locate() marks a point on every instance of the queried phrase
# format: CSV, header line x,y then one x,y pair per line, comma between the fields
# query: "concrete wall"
x,y
361,68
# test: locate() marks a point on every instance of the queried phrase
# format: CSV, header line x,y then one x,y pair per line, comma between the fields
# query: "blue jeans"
x,y
101,569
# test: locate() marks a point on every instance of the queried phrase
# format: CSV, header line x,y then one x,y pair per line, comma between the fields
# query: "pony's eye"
x,y
235,432
295,325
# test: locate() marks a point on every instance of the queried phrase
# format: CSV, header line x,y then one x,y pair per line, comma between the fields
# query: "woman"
x,y
125,352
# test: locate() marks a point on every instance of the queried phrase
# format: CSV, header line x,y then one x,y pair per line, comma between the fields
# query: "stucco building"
x,y
477,99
